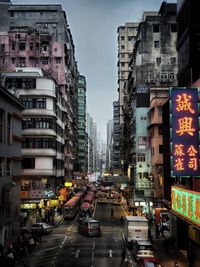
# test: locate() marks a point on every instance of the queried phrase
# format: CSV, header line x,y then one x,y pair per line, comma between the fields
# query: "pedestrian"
x,y
122,220
112,213
157,231
123,255
175,264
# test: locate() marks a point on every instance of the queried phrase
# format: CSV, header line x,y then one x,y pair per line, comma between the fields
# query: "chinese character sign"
x,y
186,203
185,129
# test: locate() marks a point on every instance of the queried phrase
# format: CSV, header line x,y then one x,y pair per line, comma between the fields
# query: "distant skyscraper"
x,y
109,144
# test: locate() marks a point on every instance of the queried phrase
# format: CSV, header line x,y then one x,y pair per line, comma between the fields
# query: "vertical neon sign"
x,y
184,129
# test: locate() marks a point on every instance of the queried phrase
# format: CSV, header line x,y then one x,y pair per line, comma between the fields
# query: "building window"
x,y
160,149
1,125
156,44
122,38
156,28
141,157
21,62
130,38
1,166
58,60
173,60
122,46
31,46
122,64
13,46
40,103
8,167
13,60
22,46
28,163
45,60
2,47
171,77
9,129
158,60
173,27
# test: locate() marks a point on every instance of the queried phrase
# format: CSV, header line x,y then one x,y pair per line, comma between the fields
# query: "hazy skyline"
x,y
93,24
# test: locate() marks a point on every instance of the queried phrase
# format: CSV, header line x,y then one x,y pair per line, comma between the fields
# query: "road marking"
x,y
54,260
77,253
110,252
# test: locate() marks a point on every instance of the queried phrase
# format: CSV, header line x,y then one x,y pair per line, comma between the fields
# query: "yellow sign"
x,y
68,184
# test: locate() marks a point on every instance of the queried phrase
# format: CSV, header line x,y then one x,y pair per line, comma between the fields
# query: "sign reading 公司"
x,y
185,129
186,203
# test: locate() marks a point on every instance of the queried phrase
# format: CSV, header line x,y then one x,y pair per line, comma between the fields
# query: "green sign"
x,y
186,203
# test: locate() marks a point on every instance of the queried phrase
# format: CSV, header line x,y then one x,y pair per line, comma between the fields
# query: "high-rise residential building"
x,y
32,37
39,36
115,160
82,142
153,70
126,40
89,130
109,144
10,165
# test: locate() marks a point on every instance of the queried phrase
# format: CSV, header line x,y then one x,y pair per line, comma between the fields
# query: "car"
x,y
142,249
149,262
41,226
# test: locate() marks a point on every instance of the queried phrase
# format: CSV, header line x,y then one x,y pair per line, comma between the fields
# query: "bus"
x,y
71,207
102,197
116,198
85,211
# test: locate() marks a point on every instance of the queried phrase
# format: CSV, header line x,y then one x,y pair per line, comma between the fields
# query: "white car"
x,y
43,227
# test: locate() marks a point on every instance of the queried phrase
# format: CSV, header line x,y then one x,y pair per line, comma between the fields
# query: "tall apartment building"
x,y
126,40
38,36
82,142
154,69
109,129
89,130
10,165
115,160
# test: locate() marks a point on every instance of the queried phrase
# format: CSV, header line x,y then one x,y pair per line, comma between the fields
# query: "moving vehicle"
x,y
142,249
89,227
116,198
136,228
71,207
149,262
102,198
41,227
85,211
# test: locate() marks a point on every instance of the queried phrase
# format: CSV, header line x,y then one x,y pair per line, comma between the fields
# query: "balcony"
x,y
39,152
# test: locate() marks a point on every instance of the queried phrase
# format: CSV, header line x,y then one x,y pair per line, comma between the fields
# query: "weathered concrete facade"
x,y
154,68
10,165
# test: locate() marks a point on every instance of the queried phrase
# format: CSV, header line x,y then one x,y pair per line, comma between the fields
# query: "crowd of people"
x,y
13,253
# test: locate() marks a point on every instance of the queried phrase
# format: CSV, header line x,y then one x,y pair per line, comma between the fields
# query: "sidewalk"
x,y
24,261
167,259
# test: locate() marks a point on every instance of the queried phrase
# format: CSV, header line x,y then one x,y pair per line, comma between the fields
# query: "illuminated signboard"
x,y
184,132
186,203
68,184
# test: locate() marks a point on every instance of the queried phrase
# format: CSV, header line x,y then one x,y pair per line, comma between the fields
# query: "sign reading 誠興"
x,y
186,203
184,131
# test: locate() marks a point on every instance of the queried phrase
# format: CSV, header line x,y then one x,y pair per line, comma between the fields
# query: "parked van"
x,y
89,227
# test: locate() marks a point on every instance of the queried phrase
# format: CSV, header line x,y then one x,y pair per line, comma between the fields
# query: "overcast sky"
x,y
93,24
